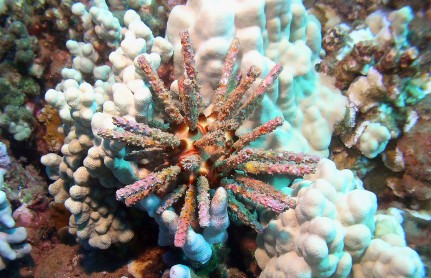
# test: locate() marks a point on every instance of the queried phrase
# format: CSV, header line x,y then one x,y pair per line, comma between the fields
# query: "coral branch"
x,y
219,218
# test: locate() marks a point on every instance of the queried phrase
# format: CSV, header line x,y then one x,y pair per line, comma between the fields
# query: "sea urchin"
x,y
198,151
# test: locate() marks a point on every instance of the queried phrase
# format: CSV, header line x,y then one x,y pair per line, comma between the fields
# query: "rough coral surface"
x,y
82,174
381,66
269,32
334,230
12,245
415,147
379,70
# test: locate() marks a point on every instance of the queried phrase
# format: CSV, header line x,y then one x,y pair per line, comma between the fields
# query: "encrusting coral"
x,y
381,66
415,149
200,152
379,70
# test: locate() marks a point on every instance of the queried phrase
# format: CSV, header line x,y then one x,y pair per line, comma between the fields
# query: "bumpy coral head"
x,y
4,158
196,150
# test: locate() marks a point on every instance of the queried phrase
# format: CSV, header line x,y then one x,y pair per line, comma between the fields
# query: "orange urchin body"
x,y
199,152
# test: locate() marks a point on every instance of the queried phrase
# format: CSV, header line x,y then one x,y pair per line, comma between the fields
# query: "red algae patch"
x,y
149,265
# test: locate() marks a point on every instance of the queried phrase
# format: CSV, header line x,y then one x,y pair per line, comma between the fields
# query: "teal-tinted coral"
x,y
17,53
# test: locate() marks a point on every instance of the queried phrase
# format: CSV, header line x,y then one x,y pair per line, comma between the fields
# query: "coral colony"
x,y
198,152
155,120
12,239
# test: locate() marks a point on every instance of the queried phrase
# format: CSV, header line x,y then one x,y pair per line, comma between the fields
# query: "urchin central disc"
x,y
190,163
